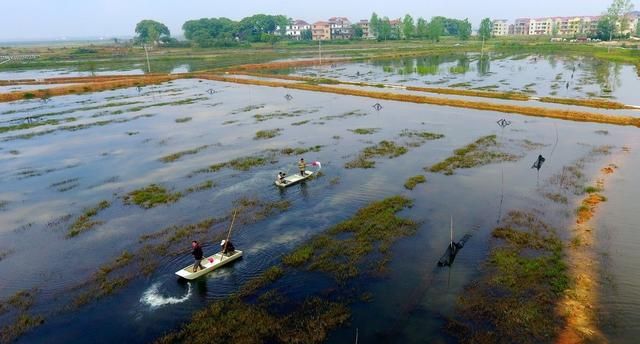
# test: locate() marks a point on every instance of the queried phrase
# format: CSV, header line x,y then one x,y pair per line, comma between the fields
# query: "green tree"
x,y
357,31
605,28
422,28
464,29
208,32
306,35
374,24
384,29
485,29
618,14
554,29
638,30
435,29
150,32
408,27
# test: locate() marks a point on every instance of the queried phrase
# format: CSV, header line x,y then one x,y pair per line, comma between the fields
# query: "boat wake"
x,y
153,298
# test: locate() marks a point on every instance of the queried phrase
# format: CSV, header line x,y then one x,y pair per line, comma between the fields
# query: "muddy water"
x,y
408,303
538,75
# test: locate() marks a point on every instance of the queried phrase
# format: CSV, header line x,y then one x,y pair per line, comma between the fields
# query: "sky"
x,y
56,19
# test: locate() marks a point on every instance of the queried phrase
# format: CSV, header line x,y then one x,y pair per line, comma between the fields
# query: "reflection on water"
x,y
105,162
541,75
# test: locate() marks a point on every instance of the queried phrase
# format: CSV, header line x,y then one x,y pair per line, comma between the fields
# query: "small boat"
x,y
210,263
296,178
293,179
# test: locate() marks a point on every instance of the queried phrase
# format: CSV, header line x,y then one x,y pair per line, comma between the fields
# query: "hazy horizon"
x,y
41,20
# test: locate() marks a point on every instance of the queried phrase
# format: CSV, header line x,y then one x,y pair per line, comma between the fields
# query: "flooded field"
x,y
536,75
102,193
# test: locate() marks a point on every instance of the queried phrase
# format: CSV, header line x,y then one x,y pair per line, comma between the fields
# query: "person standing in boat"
x,y
227,247
197,256
302,166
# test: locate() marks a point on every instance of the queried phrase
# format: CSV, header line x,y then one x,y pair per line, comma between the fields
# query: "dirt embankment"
x,y
579,304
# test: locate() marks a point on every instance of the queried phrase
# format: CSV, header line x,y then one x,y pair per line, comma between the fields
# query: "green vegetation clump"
x,y
341,250
84,222
364,131
591,189
248,109
240,164
22,324
300,150
482,152
425,135
183,119
175,156
300,123
412,182
151,196
385,148
354,113
3,204
267,134
521,283
206,185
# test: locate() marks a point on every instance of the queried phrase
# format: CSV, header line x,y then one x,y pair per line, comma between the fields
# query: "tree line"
x,y
223,32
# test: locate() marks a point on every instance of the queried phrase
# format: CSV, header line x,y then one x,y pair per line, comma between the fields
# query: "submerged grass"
x,y
175,156
384,148
412,182
267,134
340,251
84,222
483,151
151,196
521,283
365,131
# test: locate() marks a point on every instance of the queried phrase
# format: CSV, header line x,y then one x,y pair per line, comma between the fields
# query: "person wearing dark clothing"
x,y
227,247
197,255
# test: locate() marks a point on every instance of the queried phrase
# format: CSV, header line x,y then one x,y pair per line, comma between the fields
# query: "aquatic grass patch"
x,y
187,101
151,196
183,119
483,151
35,124
66,185
288,151
267,134
388,149
412,182
281,115
206,185
310,318
521,282
365,131
73,128
341,250
300,123
16,307
84,222
248,108
594,103
354,113
4,204
176,156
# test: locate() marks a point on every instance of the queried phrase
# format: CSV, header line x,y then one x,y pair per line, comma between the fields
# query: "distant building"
x,y
500,27
321,31
340,28
294,29
366,29
521,27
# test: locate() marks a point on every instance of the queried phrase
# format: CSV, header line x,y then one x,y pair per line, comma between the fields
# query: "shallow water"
x,y
410,302
537,75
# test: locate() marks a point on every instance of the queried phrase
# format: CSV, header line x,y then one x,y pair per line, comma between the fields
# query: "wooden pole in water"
x,y
451,243
356,335
224,247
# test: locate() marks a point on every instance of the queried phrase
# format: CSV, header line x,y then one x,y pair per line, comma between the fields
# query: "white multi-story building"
x,y
340,28
500,27
294,29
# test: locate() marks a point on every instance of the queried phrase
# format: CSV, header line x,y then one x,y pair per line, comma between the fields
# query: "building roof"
x,y
321,23
300,22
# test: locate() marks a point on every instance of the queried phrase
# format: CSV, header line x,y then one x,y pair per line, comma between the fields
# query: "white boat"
x,y
210,263
293,179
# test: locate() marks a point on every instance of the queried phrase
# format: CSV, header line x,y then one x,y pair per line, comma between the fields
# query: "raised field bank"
x,y
340,172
